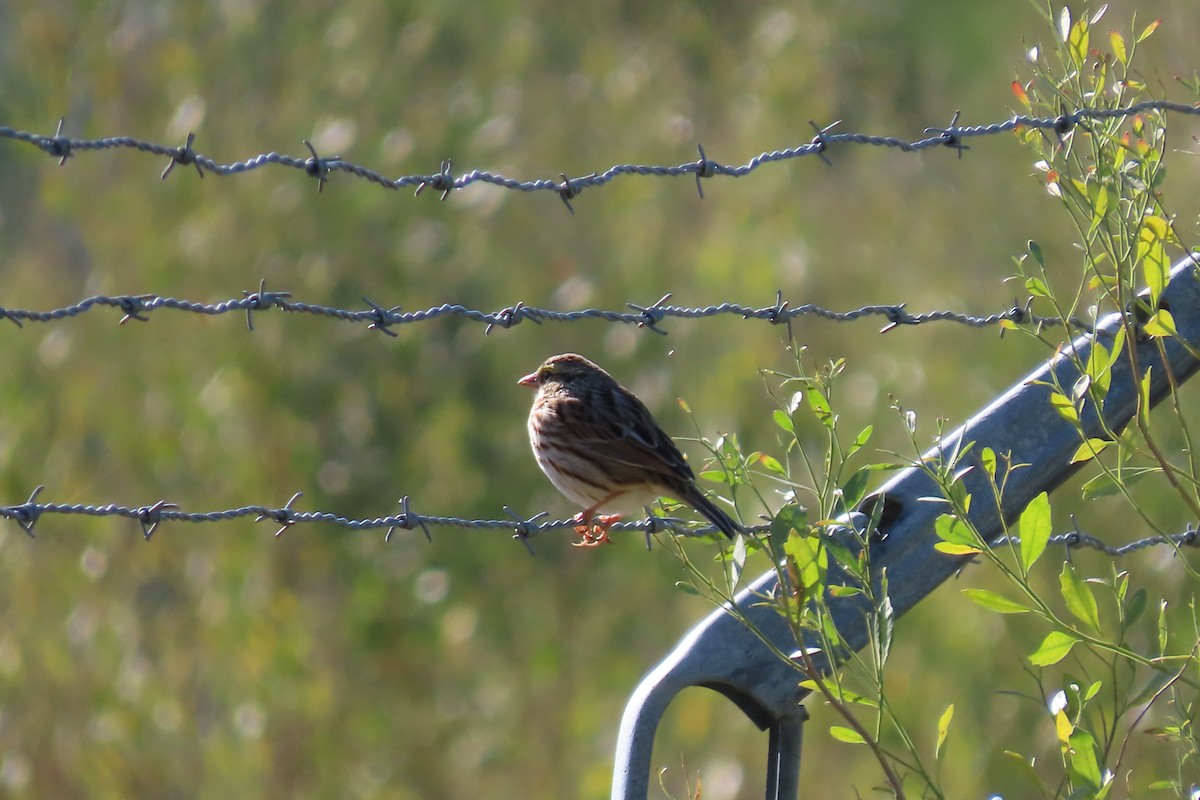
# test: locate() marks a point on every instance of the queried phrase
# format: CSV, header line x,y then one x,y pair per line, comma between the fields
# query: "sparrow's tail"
x,y
699,501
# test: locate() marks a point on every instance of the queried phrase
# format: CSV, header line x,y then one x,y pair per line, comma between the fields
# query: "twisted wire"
x,y
137,307
150,517
444,181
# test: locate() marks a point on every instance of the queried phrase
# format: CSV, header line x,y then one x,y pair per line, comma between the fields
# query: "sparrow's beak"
x,y
529,380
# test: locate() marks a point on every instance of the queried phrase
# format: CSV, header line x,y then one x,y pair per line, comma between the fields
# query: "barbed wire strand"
x,y
150,518
136,307
444,181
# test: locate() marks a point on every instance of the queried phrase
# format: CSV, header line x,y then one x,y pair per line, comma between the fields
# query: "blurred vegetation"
x,y
217,661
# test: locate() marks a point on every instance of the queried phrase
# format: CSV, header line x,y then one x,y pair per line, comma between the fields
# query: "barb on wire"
x,y
444,181
1077,539
150,519
378,318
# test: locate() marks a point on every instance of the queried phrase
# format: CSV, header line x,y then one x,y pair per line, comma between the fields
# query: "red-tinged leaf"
x,y
1148,30
771,464
1022,96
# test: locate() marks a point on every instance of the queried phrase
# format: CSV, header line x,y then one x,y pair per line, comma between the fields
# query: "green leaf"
x,y
1136,607
1117,42
1099,209
820,406
1105,484
1163,631
715,475
943,729
839,691
1077,42
856,487
1053,649
988,458
1082,761
737,560
883,625
1152,254
1098,367
950,528
784,420
1064,405
1078,597
810,560
1090,449
860,440
1037,287
847,735
1161,325
1035,250
1144,401
849,560
996,602
1034,528
952,549
1028,771
790,518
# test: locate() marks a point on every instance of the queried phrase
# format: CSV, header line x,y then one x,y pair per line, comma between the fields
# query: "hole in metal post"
x,y
888,515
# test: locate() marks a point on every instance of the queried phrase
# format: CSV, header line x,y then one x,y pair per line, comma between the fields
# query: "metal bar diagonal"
x,y
724,654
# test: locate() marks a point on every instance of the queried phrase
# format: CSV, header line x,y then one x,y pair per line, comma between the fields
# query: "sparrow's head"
x,y
565,370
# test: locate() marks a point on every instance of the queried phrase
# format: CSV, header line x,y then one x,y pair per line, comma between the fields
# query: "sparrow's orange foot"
x,y
594,533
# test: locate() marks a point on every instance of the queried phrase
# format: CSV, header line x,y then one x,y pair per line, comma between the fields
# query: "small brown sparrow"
x,y
601,447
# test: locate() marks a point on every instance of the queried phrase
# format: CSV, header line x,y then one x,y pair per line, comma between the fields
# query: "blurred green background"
x,y
217,661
